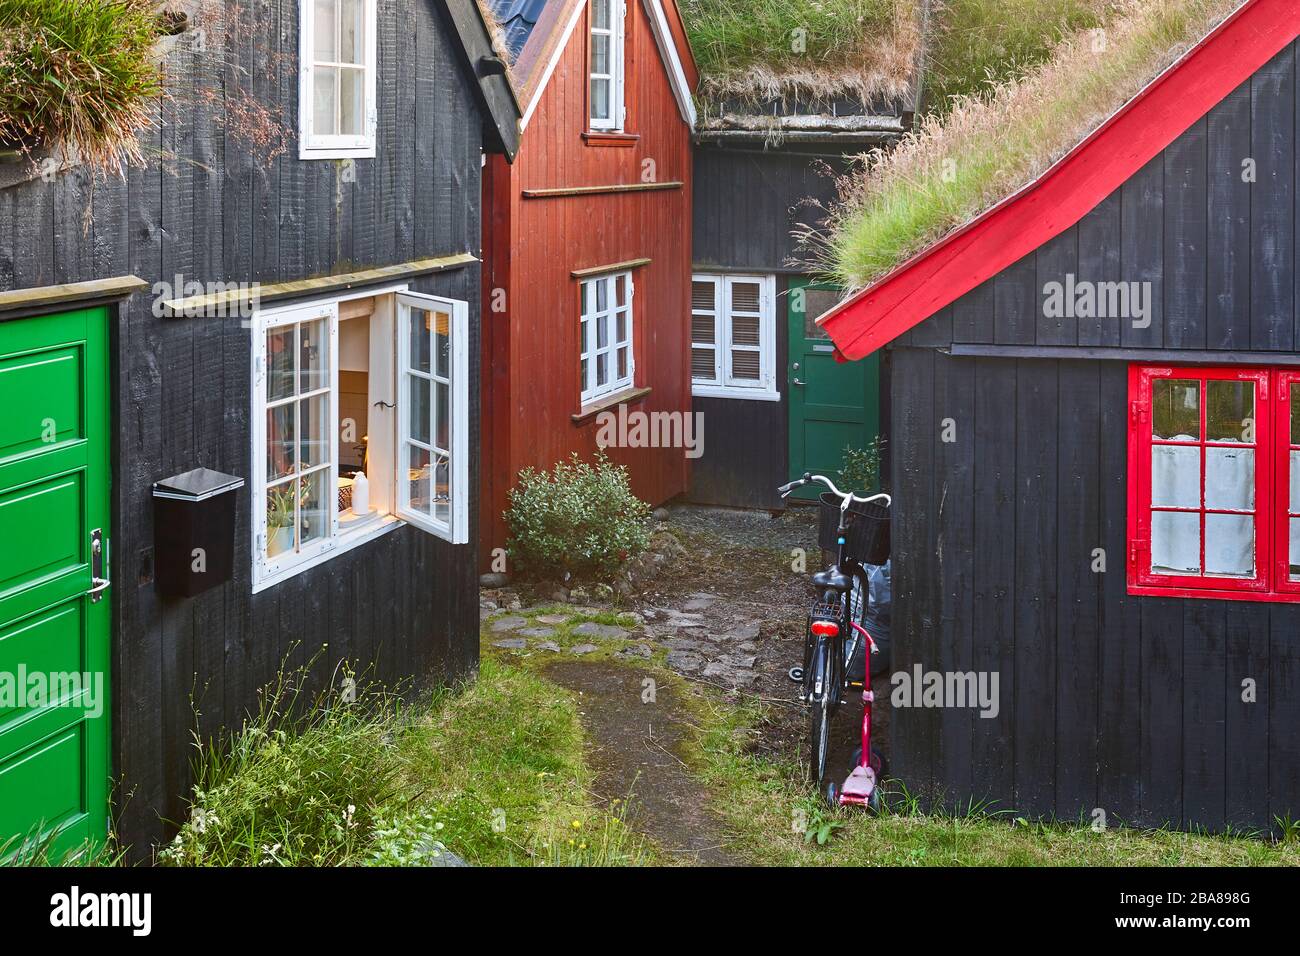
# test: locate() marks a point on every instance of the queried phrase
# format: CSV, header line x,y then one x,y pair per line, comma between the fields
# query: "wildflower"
x,y
577,824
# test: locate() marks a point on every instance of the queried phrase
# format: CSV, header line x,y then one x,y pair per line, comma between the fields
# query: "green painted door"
x,y
833,405
54,634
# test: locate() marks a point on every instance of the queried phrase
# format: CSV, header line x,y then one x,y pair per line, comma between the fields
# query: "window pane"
x,y
352,47
313,356
1175,476
1176,409
1175,542
600,53
586,336
583,385
1295,413
313,507
817,302
620,290
325,26
442,343
602,369
444,416
702,296
419,474
702,329
620,330
600,99
281,449
622,363
442,489
745,365
419,408
323,105
745,296
1295,549
600,14
313,434
1295,482
418,347
602,295
279,362
744,330
279,519
602,332
702,364
586,298
1230,411
352,105
1230,478
1230,545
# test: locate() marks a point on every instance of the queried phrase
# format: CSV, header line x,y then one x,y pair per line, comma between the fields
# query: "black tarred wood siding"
x,y
206,208
1129,704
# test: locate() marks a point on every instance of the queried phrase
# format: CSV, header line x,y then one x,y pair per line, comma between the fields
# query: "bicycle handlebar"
x,y
845,497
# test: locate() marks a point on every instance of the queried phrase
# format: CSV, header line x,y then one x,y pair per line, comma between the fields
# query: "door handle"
x,y
99,583
798,382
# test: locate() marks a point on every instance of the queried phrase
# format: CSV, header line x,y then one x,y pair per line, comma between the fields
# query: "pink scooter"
x,y
862,787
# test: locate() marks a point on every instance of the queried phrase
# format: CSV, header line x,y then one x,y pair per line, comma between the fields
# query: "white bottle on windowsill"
x,y
360,495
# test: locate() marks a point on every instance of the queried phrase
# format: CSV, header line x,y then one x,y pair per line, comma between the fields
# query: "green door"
x,y
833,405
54,634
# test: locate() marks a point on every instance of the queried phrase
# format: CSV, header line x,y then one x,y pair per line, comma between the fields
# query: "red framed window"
x,y
1214,482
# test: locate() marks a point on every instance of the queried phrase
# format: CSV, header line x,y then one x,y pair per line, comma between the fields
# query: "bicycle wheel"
x,y
819,733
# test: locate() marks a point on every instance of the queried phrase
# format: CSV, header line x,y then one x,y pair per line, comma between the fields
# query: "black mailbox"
x,y
194,531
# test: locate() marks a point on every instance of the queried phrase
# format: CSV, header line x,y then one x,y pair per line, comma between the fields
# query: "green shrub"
x,y
861,468
78,75
576,519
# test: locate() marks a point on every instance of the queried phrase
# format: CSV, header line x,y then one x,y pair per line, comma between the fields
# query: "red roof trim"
x,y
1071,188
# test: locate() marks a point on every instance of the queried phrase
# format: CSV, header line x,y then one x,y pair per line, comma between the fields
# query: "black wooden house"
x,y
1100,503
292,318
773,400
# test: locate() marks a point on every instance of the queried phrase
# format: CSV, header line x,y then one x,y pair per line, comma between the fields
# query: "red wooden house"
x,y
587,243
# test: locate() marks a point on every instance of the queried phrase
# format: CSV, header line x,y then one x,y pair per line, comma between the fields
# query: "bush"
x,y
861,469
577,519
78,75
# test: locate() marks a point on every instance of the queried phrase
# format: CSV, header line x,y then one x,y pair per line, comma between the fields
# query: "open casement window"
x,y
605,64
607,364
1209,501
336,98
373,383
433,439
733,337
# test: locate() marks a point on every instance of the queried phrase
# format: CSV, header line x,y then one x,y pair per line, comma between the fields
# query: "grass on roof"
x,y
952,169
974,45
809,48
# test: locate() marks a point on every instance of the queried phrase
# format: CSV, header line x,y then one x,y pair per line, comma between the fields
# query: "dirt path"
x,y
634,744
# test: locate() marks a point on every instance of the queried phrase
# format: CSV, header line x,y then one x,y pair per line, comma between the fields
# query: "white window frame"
x,y
617,41
335,146
386,427
456,528
723,384
591,391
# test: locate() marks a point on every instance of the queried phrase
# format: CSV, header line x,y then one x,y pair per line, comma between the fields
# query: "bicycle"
x,y
858,526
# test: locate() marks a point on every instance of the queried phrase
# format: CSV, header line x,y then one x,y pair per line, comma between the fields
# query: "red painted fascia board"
x,y
1137,133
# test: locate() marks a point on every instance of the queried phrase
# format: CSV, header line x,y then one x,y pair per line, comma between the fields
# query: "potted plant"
x,y
279,519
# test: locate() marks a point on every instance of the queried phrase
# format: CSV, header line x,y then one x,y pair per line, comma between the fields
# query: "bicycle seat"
x,y
833,579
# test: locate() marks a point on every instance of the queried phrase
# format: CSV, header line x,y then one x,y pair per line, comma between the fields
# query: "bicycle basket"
x,y
867,541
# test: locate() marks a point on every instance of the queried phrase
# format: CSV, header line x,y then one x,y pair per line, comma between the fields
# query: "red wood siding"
x,y
531,352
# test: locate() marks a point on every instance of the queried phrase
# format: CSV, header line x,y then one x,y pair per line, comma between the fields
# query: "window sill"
x,y
1224,594
337,152
347,540
627,396
602,138
743,394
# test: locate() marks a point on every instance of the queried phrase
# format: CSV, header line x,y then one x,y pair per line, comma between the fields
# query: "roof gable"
x,y
557,20
1072,187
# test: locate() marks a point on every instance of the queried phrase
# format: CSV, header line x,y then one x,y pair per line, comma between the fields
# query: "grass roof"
x,y
951,169
811,49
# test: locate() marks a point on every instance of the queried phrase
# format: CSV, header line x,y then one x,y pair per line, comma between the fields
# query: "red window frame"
x,y
1272,580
